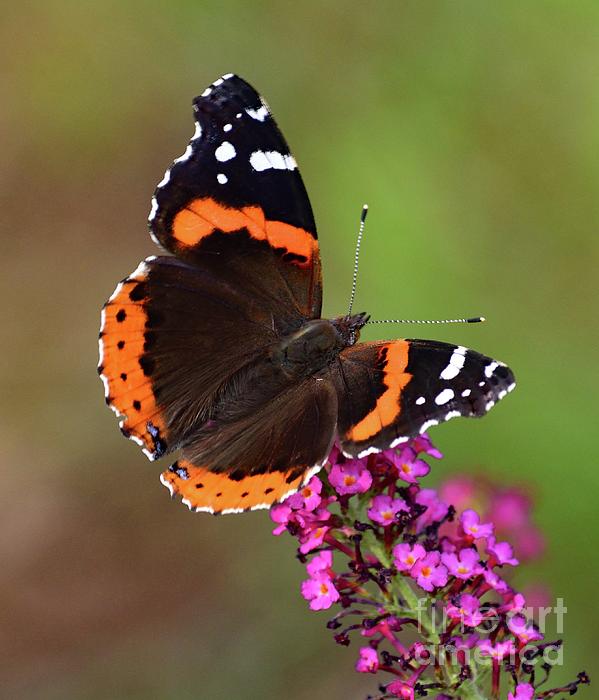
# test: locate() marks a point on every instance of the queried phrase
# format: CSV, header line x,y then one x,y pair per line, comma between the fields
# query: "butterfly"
x,y
218,351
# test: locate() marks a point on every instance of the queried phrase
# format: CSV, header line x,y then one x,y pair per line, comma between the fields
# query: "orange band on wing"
x,y
388,405
203,490
128,389
204,216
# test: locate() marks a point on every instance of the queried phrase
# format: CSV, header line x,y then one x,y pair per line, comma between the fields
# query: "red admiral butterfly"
x,y
219,350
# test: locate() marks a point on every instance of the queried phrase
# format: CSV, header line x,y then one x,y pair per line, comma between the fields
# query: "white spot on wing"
x,y
489,405
259,161
420,400
198,132
263,506
456,362
490,368
165,179
369,451
225,152
153,209
227,127
168,485
106,386
265,160
222,178
259,114
313,471
452,414
466,393
116,292
148,454
140,271
185,155
443,397
202,509
429,424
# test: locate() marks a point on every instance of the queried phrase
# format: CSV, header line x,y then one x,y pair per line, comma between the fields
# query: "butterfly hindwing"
x,y
392,390
255,460
236,196
204,491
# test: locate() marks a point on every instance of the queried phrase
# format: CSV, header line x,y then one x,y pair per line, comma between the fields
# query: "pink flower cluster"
x,y
412,564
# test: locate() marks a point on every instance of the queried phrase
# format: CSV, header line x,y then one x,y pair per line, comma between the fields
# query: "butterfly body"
x,y
219,351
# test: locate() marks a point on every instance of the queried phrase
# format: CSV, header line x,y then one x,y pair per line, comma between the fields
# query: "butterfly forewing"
x,y
236,192
392,390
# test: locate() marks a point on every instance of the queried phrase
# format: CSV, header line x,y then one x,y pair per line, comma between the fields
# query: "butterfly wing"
x,y
258,459
235,200
389,391
171,337
184,340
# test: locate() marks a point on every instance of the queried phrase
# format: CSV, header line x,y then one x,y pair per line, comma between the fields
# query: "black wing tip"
x,y
229,87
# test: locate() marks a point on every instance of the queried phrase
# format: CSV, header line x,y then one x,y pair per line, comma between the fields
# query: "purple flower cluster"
x,y
423,587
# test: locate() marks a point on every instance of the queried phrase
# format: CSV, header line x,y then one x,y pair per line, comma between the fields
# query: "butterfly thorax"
x,y
315,345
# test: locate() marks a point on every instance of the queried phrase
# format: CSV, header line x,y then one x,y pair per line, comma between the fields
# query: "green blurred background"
x,y
469,127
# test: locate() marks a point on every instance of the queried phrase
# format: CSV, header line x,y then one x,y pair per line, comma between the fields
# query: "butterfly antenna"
x,y
357,257
475,319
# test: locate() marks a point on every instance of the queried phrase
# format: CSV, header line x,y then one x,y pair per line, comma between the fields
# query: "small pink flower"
x,y
428,572
368,661
435,508
464,565
313,538
501,552
466,609
320,591
422,443
471,525
384,509
497,651
350,477
524,630
495,581
524,691
308,497
420,652
409,468
405,556
280,513
515,603
320,563
401,690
